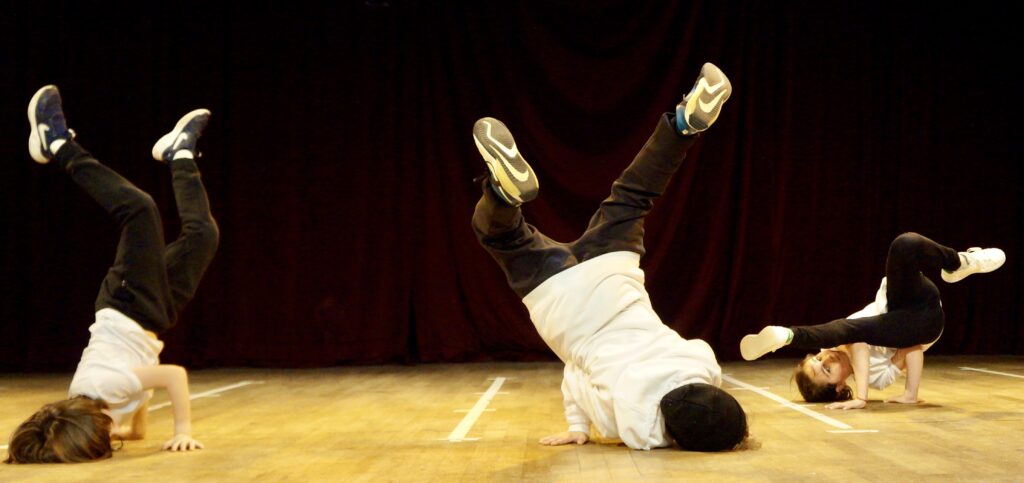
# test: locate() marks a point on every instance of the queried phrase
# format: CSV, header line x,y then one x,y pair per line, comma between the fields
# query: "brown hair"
x,y
70,431
814,392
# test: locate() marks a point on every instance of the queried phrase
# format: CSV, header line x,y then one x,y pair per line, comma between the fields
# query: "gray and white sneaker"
x,y
975,260
511,176
701,107
770,339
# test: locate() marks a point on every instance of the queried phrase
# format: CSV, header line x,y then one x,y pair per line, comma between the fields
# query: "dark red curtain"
x,y
340,164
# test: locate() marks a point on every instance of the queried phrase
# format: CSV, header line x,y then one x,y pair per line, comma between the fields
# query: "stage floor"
x,y
481,422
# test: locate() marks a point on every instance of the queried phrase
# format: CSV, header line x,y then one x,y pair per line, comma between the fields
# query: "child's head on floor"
x,y
703,417
70,431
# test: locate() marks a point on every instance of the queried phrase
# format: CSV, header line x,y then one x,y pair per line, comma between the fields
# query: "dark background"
x,y
339,162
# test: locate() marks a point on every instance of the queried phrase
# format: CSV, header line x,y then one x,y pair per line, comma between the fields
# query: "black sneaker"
x,y
184,135
700,108
511,177
46,119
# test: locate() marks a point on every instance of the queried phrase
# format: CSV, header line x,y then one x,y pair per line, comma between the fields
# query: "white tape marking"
x,y
773,397
460,431
210,393
986,371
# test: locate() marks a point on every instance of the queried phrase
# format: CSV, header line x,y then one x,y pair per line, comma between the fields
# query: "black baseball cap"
x,y
702,417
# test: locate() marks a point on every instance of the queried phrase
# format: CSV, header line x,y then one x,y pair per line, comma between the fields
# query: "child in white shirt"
x,y
141,296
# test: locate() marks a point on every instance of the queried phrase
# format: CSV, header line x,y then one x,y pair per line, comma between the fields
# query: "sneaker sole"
x,y
35,143
503,171
167,140
754,346
702,119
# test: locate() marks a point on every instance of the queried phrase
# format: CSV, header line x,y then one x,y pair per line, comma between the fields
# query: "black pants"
x,y
529,258
914,314
149,282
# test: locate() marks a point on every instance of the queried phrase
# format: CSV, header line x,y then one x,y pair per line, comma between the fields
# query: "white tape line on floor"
x,y
820,417
460,431
986,371
210,393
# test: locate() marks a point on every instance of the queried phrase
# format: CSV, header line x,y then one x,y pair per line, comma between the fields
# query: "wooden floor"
x,y
395,423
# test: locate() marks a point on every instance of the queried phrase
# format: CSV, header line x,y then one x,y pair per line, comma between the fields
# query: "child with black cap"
x,y
626,372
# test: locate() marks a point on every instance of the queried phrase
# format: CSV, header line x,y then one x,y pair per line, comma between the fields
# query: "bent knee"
x,y
136,204
907,242
206,233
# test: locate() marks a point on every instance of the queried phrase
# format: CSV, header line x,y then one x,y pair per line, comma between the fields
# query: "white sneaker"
x,y
770,339
975,260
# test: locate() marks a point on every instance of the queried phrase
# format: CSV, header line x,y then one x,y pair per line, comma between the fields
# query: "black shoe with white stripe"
x,y
511,177
185,135
46,120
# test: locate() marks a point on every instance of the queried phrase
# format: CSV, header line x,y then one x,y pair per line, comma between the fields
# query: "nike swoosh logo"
x,y
43,129
712,88
508,152
519,175
710,106
511,153
181,138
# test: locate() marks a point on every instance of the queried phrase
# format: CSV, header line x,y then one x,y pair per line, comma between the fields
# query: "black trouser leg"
x,y
527,257
189,255
914,314
136,285
618,224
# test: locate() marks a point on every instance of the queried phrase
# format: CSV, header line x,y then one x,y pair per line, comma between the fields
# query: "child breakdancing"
x,y
626,373
886,337
141,296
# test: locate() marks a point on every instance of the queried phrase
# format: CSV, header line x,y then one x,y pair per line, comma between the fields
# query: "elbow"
x,y
178,375
178,371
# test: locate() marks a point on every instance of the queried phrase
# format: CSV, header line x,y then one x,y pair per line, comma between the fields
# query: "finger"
x,y
199,445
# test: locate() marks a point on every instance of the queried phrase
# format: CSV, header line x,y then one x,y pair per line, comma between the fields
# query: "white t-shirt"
x,y
620,359
117,345
882,372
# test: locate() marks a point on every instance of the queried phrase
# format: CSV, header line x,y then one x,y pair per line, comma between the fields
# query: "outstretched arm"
x,y
913,360
579,423
859,360
175,380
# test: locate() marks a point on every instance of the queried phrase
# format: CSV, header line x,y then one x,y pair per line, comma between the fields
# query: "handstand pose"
x,y
141,296
626,373
888,336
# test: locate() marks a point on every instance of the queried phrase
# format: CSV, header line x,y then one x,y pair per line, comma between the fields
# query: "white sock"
x,y
182,154
56,144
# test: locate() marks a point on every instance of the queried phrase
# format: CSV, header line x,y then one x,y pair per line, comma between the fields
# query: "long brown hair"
x,y
814,392
69,431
